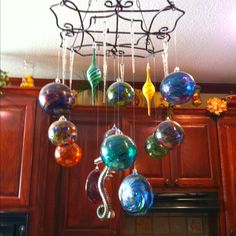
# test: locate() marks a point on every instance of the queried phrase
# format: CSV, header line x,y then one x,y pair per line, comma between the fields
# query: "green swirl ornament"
x,y
155,149
94,76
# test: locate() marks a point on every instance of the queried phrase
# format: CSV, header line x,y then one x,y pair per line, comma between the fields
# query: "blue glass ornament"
x,y
135,194
56,99
169,133
62,132
118,152
178,87
120,94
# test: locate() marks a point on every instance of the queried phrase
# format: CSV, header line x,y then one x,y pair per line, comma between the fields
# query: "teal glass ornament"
x,y
112,131
94,75
56,99
135,194
169,134
177,87
62,132
155,149
120,94
118,152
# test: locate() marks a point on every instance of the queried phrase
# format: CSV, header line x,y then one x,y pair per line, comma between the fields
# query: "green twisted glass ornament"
x,y
94,76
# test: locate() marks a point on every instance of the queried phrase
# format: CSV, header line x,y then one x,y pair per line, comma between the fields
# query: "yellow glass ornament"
x,y
148,89
216,105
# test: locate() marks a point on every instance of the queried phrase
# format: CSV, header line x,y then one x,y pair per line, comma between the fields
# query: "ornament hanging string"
x,y
104,61
58,66
64,59
72,55
165,57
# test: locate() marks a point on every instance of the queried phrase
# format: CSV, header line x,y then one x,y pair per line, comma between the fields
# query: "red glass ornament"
x,y
68,155
91,186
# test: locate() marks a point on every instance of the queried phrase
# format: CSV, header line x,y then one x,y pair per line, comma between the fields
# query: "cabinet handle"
x,y
167,182
177,182
232,232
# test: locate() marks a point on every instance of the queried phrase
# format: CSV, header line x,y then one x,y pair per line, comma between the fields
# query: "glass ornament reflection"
x,y
56,99
155,149
169,133
135,194
118,152
120,94
62,132
91,186
177,87
68,155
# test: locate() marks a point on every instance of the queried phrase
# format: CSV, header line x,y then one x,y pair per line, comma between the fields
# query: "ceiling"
x,y
205,44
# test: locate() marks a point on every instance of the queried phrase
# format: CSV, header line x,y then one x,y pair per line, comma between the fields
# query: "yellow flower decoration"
x,y
216,106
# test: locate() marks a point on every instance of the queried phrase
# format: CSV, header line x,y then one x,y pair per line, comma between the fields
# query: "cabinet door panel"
x,y
195,161
156,171
78,214
227,139
16,148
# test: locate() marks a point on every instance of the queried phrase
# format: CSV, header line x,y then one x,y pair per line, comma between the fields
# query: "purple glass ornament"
x,y
91,186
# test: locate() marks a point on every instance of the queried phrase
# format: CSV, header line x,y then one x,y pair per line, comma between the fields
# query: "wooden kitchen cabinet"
x,y
193,164
227,144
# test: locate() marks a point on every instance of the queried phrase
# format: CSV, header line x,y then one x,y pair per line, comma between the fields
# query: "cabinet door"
x,y
195,161
139,128
16,149
77,214
227,140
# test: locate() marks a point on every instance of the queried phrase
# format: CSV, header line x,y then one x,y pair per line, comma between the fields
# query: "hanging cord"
x,y
165,57
175,45
64,59
114,78
72,55
96,52
58,65
104,61
118,68
155,82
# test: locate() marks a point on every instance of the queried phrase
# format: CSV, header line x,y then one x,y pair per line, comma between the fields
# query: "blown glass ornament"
x,y
68,155
118,152
135,194
56,99
148,90
62,132
91,186
177,87
155,149
94,75
169,134
120,94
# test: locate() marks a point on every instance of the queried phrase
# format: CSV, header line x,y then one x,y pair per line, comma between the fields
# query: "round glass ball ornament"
x,y
118,152
135,194
68,155
177,87
155,149
120,94
91,186
56,99
62,132
169,134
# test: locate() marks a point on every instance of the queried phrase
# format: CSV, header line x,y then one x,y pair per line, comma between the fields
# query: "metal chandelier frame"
x,y
84,35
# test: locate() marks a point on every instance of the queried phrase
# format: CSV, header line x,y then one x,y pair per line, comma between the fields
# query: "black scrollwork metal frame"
x,y
115,9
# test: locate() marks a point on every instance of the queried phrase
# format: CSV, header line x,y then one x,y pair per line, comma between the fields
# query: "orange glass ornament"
x,y
148,89
68,155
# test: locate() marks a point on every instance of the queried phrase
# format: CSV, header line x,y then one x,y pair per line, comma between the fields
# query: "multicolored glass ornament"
x,y
91,186
148,90
169,134
120,94
135,194
56,99
94,75
62,132
68,155
216,105
155,149
118,152
177,87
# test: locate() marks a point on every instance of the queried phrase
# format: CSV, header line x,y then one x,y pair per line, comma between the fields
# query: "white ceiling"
x,y
205,41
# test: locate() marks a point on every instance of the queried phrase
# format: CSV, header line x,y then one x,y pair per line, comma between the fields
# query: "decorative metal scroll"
x,y
83,27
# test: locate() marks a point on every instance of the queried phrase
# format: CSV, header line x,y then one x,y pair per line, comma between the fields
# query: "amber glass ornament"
x,y
148,90
68,155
